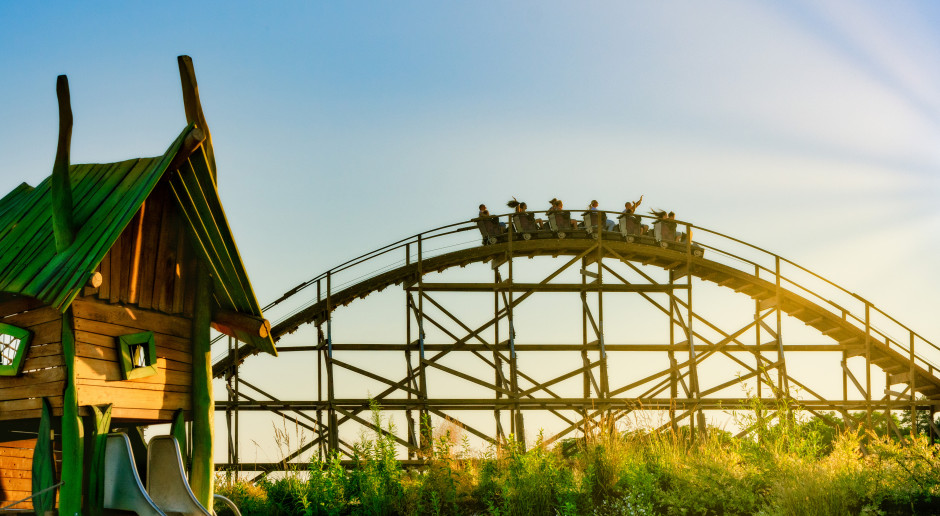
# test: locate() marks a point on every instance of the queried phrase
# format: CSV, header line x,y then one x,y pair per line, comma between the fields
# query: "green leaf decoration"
x,y
44,463
178,431
95,496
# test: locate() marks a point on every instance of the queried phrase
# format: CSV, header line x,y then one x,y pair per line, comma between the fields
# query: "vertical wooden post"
x,y
321,436
237,401
63,225
887,404
674,373
230,396
497,362
409,368
783,382
845,377
331,413
605,386
912,381
203,470
693,371
518,422
323,447
585,360
73,434
759,354
868,364
424,425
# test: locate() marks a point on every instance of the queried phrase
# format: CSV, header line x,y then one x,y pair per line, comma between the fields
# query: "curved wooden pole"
x,y
193,107
63,225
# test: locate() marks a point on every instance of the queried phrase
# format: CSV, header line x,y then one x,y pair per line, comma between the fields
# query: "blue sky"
x,y
808,128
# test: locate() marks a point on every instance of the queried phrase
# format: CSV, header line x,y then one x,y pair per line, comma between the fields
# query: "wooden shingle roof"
x,y
106,197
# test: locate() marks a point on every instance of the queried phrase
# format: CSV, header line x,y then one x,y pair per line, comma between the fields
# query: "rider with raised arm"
x,y
630,207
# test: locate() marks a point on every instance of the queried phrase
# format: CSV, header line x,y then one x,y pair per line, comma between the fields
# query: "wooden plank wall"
x,y
152,264
98,372
16,464
44,369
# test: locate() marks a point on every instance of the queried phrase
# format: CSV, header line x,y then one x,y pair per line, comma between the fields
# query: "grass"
x,y
786,466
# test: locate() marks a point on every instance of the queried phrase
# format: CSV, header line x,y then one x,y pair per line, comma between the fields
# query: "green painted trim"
x,y
73,436
25,336
43,475
128,370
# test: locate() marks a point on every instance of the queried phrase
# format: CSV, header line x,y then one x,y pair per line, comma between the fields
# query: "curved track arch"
x,y
852,327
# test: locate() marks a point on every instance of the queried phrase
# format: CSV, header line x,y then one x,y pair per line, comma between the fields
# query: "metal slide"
x,y
166,478
122,487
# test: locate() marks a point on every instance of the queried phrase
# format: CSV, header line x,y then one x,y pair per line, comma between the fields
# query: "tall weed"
x,y
786,465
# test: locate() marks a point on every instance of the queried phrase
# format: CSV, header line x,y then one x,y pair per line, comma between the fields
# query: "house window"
x,y
138,355
14,342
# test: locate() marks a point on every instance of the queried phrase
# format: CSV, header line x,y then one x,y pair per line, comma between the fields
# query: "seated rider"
x,y
609,224
680,236
524,209
486,213
630,207
560,206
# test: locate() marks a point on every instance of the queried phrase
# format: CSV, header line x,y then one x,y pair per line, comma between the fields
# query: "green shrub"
x,y
251,499
787,465
374,485
326,486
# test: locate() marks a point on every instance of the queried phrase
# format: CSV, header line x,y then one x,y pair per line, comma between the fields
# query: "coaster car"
x,y
592,220
668,238
490,229
560,222
630,227
524,224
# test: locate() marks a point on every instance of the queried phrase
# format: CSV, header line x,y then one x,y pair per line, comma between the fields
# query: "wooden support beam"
x,y
95,280
191,142
894,379
202,476
227,322
770,302
63,223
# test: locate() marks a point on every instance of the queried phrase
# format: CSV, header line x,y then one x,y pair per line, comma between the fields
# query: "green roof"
x,y
106,196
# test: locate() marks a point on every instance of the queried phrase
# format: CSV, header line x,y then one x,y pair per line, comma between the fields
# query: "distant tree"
x,y
922,424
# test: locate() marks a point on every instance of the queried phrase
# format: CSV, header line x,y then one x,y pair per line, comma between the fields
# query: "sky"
x,y
810,129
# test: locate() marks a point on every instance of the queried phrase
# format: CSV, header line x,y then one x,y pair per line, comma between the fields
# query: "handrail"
x,y
33,495
779,261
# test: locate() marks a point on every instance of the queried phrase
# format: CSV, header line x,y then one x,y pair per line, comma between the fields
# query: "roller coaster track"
x,y
855,326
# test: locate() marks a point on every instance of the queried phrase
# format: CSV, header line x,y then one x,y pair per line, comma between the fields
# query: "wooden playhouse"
x,y
111,276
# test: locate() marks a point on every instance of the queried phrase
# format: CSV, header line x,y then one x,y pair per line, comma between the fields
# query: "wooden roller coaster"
x,y
657,267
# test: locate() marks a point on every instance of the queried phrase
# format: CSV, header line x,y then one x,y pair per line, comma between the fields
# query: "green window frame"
x,y
14,343
138,355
